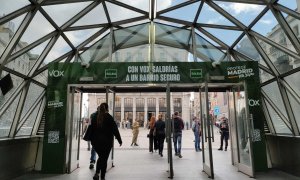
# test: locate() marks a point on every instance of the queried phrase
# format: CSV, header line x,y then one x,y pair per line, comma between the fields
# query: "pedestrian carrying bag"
x,y
88,134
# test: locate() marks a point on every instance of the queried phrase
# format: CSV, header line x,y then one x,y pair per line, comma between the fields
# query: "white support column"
x,y
157,107
145,113
185,107
122,109
134,109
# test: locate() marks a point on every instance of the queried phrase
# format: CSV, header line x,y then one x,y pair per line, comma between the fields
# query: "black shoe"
x,y
136,144
220,149
96,177
91,166
179,156
225,149
161,155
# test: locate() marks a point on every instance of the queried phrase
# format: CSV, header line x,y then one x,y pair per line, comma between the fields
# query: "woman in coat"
x,y
135,132
104,128
151,134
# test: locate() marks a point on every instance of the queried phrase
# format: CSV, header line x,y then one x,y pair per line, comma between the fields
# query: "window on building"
x,y
151,102
118,101
177,102
140,102
128,102
128,56
100,100
118,56
139,56
162,102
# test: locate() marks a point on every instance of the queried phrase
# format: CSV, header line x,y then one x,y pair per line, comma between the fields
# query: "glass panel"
x,y
169,54
227,36
42,77
98,52
35,31
97,39
163,4
7,118
206,38
269,27
280,59
141,4
77,37
272,91
210,16
7,32
292,4
243,129
122,14
132,36
61,13
172,36
186,13
10,6
95,16
246,47
264,76
33,93
206,50
59,48
27,127
295,107
26,61
16,82
279,125
245,13
294,81
133,54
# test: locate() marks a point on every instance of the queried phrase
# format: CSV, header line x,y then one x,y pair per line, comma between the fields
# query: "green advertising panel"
x,y
124,73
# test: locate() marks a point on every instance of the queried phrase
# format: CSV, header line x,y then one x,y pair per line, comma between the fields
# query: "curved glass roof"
x,y
34,33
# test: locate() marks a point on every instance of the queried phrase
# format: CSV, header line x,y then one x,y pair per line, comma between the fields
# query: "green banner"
x,y
61,74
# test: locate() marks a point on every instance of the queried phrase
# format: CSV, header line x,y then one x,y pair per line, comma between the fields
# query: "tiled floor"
x,y
136,163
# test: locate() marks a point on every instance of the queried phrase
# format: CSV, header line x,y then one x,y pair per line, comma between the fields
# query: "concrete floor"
x,y
136,163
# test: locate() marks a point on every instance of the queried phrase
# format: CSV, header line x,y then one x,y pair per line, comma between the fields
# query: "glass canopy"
x,y
34,33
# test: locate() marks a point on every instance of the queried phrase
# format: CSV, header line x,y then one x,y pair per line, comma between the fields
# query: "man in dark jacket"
x,y
224,130
177,134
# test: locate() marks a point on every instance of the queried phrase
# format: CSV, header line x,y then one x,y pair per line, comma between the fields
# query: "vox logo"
x,y
253,102
56,73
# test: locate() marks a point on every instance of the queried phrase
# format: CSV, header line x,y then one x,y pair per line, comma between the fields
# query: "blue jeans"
x,y
197,141
177,142
93,155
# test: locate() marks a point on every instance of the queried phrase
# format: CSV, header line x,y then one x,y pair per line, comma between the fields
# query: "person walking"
x,y
196,127
177,134
135,133
151,133
104,128
224,131
159,129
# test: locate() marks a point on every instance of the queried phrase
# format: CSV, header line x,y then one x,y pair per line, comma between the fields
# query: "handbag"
x,y
88,134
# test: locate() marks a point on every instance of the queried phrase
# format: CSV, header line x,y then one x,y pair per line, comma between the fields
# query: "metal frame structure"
x,y
153,16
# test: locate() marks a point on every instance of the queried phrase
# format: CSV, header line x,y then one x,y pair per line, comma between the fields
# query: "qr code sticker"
x,y
53,137
256,135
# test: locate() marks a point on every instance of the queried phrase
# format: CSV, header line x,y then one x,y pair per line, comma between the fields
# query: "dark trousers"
x,y
160,144
224,136
103,154
151,141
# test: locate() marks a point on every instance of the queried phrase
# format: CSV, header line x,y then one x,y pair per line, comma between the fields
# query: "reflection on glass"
x,y
7,118
295,107
205,128
27,126
279,125
169,54
274,94
242,128
294,81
